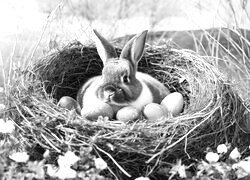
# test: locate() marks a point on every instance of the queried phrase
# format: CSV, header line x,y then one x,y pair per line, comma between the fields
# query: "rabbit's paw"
x,y
94,110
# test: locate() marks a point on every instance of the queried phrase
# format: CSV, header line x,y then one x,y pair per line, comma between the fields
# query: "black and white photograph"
x,y
124,89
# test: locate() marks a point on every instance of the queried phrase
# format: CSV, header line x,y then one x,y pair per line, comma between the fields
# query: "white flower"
x,y
142,178
37,167
212,157
46,153
66,173
222,149
242,168
245,165
178,168
100,164
51,170
235,154
10,127
1,89
67,160
182,171
6,127
2,107
61,172
19,157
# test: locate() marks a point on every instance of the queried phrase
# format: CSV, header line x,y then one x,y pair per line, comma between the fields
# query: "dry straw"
x,y
212,110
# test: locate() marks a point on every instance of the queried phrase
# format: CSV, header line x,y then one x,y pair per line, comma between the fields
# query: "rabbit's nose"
x,y
108,92
110,89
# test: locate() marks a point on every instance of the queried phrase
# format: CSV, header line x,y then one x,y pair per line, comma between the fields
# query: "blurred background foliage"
x,y
116,18
119,17
30,29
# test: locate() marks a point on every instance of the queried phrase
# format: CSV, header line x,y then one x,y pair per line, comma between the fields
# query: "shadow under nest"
x,y
211,115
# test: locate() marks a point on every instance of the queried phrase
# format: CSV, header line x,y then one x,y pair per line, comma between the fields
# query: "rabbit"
x,y
120,84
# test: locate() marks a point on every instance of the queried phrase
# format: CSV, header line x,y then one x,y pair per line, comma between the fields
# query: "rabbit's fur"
x,y
120,84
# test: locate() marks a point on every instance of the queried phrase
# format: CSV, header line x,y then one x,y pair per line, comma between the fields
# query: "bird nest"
x,y
211,114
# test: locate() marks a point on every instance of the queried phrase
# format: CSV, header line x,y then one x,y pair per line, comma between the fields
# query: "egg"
x,y
173,103
128,113
69,103
153,111
94,110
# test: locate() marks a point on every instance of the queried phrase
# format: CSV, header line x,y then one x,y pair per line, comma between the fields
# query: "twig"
x,y
127,174
2,69
234,14
11,61
43,31
107,167
54,147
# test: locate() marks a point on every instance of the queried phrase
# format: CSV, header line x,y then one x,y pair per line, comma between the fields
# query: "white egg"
x,y
69,103
128,113
173,103
93,111
153,111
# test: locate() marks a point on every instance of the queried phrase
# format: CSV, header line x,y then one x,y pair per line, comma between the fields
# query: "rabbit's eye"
x,y
126,79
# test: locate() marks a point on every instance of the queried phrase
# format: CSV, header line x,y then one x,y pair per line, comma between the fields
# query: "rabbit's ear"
x,y
105,50
134,48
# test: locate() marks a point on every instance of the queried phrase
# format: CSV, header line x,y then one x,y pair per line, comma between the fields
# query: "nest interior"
x,y
213,112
